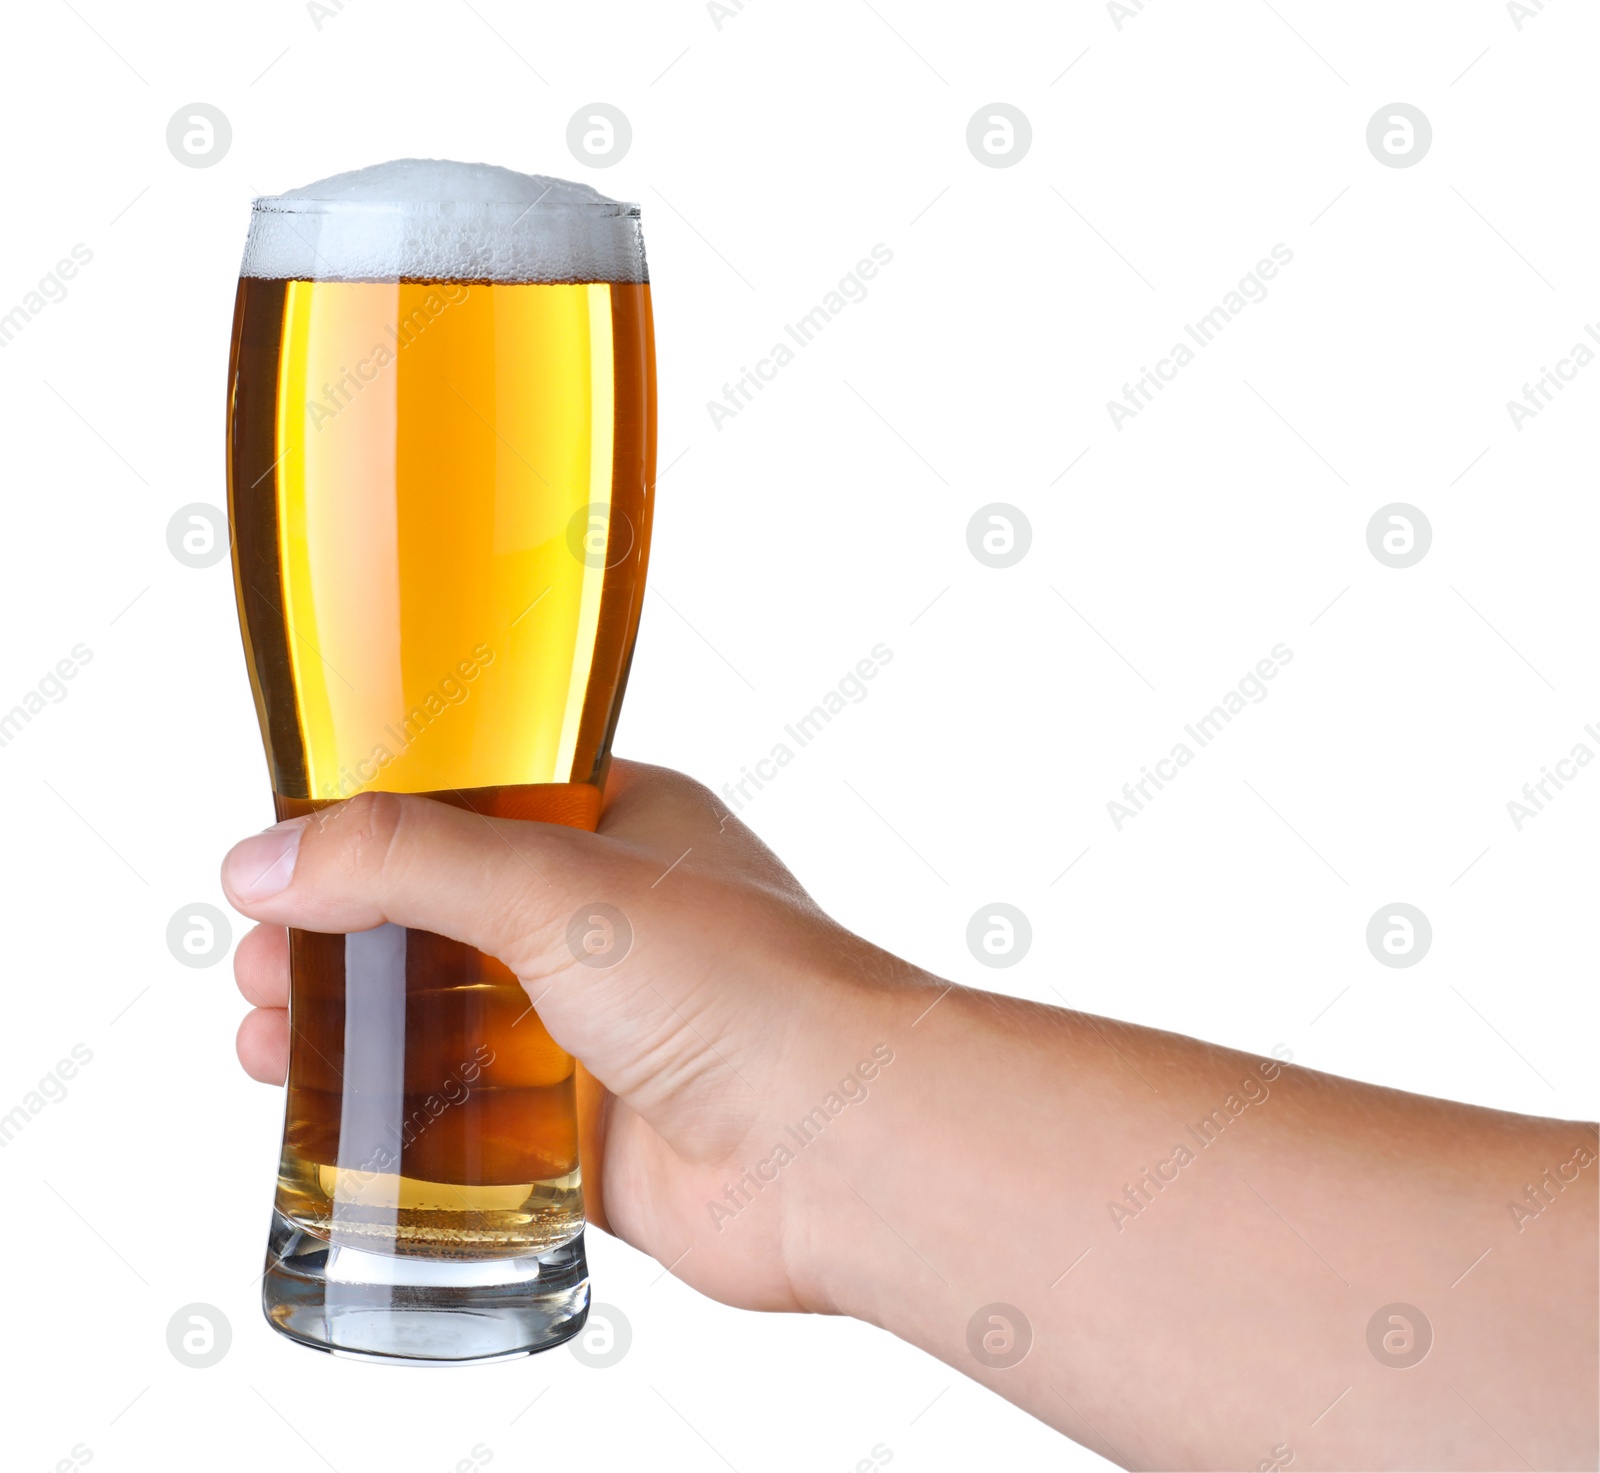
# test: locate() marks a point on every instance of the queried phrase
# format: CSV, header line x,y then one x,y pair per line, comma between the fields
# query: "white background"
x,y
769,155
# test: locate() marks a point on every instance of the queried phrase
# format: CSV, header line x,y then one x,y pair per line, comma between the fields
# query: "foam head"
x,y
435,220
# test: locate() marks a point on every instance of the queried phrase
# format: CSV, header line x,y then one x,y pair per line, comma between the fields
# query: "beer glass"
x,y
441,449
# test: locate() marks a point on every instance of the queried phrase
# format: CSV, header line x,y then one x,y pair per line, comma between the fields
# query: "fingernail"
x,y
264,864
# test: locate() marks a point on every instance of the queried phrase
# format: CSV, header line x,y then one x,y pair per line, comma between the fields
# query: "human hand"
x,y
738,1007
1009,1143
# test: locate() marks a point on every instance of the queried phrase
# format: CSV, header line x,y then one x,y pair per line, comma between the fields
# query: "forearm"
x,y
1195,1243
1197,1240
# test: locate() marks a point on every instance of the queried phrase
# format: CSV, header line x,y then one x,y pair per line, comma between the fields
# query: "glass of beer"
x,y
441,450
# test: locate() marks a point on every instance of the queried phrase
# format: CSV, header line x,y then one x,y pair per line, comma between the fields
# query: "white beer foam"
x,y
436,220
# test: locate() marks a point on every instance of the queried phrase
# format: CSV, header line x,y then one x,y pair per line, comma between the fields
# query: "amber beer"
x,y
440,497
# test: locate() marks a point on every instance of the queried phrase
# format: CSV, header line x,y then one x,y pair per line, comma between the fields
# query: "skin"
x,y
1008,1176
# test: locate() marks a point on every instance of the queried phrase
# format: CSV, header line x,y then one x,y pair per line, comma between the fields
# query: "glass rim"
x,y
277,204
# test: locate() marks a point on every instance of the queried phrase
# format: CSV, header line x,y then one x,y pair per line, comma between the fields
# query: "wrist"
x,y
860,1146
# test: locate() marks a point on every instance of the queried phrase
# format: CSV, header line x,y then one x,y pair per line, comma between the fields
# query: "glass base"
x,y
421,1311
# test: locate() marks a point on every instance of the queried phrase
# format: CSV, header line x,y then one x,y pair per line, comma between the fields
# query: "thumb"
x,y
506,887
526,893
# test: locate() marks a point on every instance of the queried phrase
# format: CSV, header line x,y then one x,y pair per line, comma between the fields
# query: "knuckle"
x,y
702,795
372,826
686,792
681,782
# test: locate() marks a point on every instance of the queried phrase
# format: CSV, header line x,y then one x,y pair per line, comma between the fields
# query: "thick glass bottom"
x,y
420,1311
